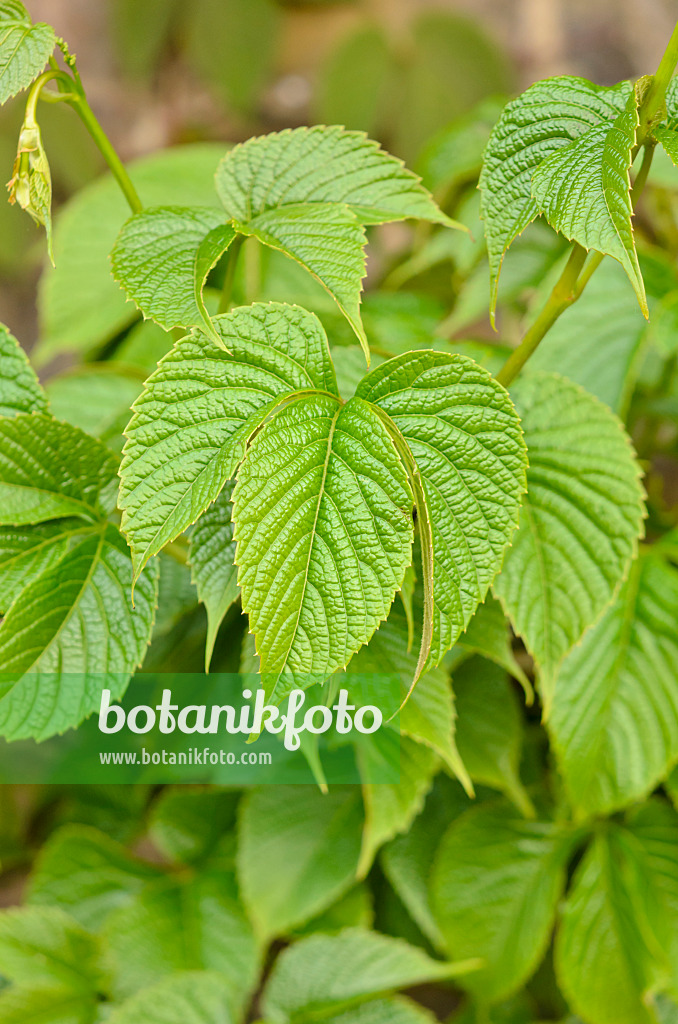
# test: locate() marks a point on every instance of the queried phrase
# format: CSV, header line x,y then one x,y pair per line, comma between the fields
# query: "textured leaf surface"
x,y
50,470
495,887
614,720
192,997
20,390
162,258
71,632
323,524
183,925
24,48
466,441
396,1010
547,117
213,568
326,970
583,191
193,419
579,523
44,946
28,551
297,853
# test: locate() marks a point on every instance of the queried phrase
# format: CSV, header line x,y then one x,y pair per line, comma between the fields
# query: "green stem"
x,y
657,90
86,114
233,253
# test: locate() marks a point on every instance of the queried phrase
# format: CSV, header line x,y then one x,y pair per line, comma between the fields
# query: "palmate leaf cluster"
x,y
352,477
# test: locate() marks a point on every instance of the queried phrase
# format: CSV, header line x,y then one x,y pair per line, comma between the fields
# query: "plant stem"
x,y
657,90
233,253
109,154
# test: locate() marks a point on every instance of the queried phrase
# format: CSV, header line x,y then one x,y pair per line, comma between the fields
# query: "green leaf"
x,y
213,569
668,137
81,306
46,1004
603,963
70,632
25,48
96,397
31,182
192,997
310,190
396,1010
323,524
162,258
495,887
583,190
540,122
20,390
44,946
196,412
614,719
50,470
488,634
579,524
84,873
186,825
490,729
297,853
28,551
175,925
469,457
324,972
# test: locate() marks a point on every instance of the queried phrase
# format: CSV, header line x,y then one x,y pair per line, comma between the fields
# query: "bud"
x,y
31,183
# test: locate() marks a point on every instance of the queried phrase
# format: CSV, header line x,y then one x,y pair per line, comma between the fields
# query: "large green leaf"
x,y
179,925
44,946
495,887
614,719
309,191
70,632
546,118
395,1010
81,306
190,997
47,1004
323,523
28,551
50,470
25,48
97,398
213,569
466,444
20,390
162,258
579,523
297,853
322,972
583,190
192,422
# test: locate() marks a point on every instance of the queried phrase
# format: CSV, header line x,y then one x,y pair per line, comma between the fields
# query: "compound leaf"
x,y
190,997
547,117
162,258
213,568
25,48
464,436
614,718
579,524
70,632
191,423
583,190
20,390
51,470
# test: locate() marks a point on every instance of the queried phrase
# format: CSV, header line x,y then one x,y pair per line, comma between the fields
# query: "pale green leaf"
x,y
186,824
25,48
81,306
46,1004
189,997
353,910
70,632
213,569
28,551
396,1010
194,417
298,853
489,729
326,971
96,397
603,963
467,445
162,258
50,470
544,119
668,137
179,925
495,887
488,634
20,389
86,874
322,512
614,719
44,946
31,183
580,520
583,190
